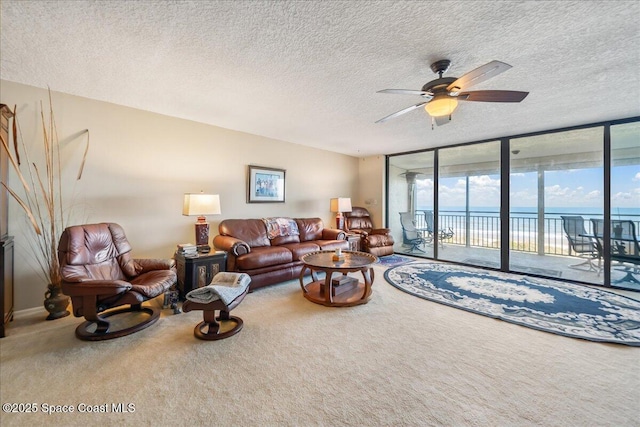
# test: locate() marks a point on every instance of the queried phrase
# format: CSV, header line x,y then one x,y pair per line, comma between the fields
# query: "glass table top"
x,y
352,259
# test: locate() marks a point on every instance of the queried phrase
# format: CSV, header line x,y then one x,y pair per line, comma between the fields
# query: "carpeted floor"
x,y
396,361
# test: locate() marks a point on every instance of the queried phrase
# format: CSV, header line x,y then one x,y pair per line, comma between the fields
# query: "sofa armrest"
x,y
95,287
333,234
362,233
150,264
231,245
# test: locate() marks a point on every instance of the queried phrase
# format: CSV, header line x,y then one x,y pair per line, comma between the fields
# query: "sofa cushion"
x,y
310,228
283,240
299,249
252,231
263,257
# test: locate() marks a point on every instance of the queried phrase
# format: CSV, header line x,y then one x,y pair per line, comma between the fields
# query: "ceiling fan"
x,y
442,94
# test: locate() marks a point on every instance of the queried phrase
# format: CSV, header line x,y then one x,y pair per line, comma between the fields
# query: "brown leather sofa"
x,y
273,256
377,241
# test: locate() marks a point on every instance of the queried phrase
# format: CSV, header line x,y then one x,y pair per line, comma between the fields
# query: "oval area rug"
x,y
547,305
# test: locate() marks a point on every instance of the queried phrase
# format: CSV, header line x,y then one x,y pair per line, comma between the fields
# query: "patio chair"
x,y
411,236
443,234
583,244
624,249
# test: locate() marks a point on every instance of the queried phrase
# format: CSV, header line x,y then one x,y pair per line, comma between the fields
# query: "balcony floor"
x,y
552,266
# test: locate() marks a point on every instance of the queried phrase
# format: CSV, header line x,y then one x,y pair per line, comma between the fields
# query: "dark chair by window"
x,y
377,241
99,273
624,249
583,245
411,236
443,234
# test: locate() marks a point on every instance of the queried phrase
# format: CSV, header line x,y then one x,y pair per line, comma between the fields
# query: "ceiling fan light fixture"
x,y
441,95
441,105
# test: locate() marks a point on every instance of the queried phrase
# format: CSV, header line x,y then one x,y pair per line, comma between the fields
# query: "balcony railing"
x,y
482,229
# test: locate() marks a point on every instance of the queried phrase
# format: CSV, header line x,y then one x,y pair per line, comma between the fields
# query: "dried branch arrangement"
x,y
43,191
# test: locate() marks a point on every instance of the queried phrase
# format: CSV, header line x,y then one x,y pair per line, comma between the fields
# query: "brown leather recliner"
x,y
377,241
98,273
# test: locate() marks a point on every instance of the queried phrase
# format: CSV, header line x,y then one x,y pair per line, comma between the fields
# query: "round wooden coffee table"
x,y
343,290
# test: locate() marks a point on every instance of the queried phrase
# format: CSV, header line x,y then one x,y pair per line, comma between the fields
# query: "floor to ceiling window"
x,y
469,204
410,201
556,190
446,203
625,206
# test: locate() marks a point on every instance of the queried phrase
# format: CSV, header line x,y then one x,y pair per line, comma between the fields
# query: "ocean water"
x,y
632,214
484,223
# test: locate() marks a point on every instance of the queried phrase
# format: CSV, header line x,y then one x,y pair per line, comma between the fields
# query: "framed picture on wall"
x,y
265,185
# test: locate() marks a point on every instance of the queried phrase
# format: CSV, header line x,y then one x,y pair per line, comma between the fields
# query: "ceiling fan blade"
x,y
406,92
493,96
442,120
398,113
480,74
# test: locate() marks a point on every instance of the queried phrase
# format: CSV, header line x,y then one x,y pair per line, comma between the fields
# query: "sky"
x,y
567,188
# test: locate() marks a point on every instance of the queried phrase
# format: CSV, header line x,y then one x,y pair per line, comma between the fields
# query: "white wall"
x,y
140,164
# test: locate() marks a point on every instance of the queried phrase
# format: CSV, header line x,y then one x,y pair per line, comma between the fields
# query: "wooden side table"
x,y
355,242
197,271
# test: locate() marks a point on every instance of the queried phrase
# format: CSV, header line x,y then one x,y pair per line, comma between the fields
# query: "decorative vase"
x,y
56,303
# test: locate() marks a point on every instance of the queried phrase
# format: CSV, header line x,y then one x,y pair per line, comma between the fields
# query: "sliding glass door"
x,y
469,204
410,201
560,204
556,190
625,206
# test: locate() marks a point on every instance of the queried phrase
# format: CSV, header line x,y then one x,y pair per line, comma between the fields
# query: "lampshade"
x,y
341,204
441,105
200,204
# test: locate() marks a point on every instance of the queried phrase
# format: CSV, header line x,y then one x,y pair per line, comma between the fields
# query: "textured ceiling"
x,y
307,72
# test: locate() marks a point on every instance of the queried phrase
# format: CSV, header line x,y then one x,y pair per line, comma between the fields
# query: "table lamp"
x,y
200,204
339,205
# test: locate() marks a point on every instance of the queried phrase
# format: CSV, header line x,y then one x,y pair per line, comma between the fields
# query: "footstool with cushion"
x,y
223,294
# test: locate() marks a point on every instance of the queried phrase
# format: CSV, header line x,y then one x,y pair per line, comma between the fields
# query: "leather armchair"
x,y
377,241
98,273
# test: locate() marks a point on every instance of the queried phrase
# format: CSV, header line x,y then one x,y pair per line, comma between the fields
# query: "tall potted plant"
x,y
42,202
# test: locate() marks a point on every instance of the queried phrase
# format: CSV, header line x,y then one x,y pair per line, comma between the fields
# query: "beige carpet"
x,y
397,361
